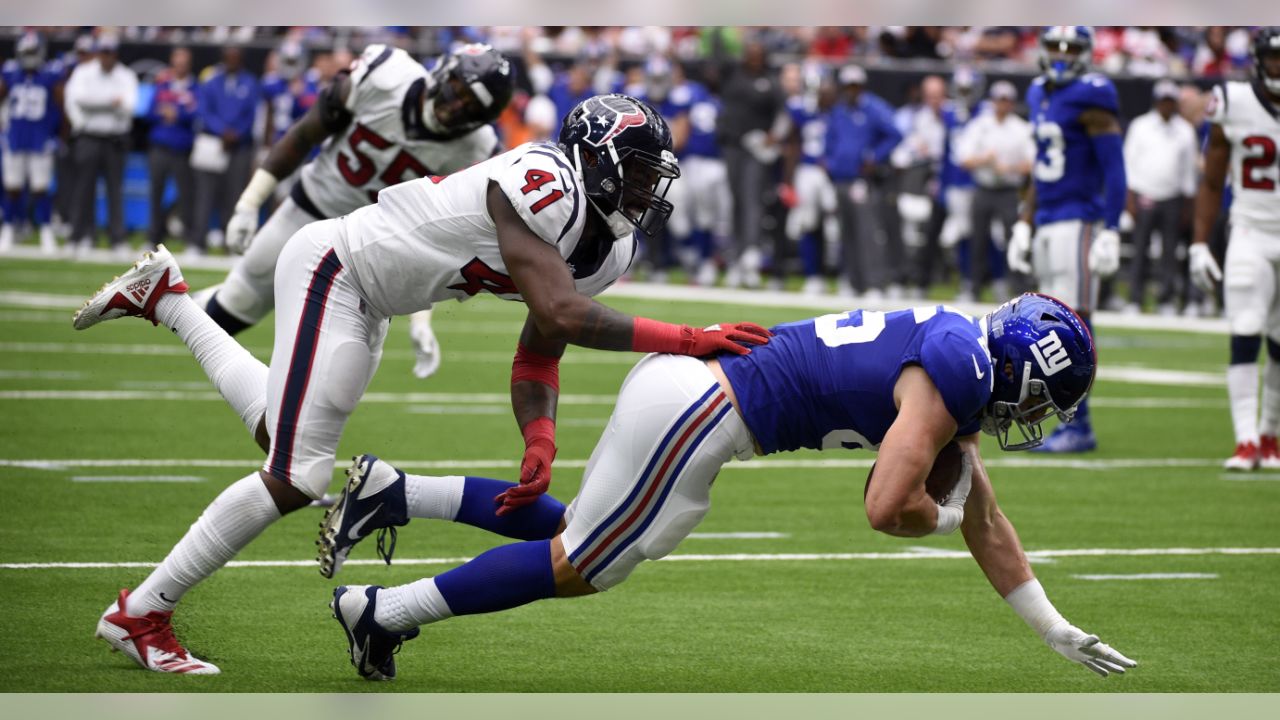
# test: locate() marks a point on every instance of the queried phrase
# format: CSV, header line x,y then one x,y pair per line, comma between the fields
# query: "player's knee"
x,y
569,582
242,301
262,436
347,383
286,497
1245,348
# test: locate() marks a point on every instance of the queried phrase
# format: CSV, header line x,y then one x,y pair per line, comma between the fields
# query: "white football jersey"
x,y
375,150
433,239
1252,126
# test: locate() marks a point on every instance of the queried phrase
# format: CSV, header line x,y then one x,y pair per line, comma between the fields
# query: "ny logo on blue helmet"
x,y
622,148
1066,52
1044,361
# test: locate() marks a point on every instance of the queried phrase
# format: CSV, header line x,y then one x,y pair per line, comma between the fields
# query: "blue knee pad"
x,y
1245,348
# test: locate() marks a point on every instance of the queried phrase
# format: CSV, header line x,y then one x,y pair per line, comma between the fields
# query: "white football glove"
x,y
1204,269
1104,254
1076,645
1018,253
241,229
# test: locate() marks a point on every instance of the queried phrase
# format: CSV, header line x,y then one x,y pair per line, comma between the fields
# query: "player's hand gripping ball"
x,y
945,474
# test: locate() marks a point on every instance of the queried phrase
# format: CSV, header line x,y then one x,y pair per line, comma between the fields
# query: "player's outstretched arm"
x,y
561,313
535,392
326,117
1103,128
1217,154
995,546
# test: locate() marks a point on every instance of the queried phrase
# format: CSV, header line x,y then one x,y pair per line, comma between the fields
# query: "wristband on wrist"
x,y
1033,606
257,191
949,518
657,336
541,428
529,366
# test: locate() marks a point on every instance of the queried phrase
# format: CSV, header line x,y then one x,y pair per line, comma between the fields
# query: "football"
x,y
944,475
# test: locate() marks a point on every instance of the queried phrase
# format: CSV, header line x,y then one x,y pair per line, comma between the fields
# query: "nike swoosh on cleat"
x,y
354,532
976,368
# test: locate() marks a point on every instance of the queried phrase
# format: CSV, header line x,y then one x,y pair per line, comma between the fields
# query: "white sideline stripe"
x,y
1151,576
793,464
740,536
1142,403
137,478
730,557
1250,477
32,316
1140,375
43,375
22,298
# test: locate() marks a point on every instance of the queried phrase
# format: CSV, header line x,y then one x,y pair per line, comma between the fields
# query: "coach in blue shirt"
x,y
860,136
227,104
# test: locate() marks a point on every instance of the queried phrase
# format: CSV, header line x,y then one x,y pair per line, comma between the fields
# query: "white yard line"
x,y
1056,463
1250,477
136,479
1151,576
740,535
730,557
43,375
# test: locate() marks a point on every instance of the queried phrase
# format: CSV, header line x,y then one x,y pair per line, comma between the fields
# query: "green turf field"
x,y
106,410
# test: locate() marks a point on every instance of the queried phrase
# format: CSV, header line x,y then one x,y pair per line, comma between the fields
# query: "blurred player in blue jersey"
x,y
290,90
28,89
703,206
808,191
1079,190
902,384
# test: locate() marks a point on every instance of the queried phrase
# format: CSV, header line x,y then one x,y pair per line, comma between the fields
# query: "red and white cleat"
x,y
1269,453
136,292
1245,458
149,640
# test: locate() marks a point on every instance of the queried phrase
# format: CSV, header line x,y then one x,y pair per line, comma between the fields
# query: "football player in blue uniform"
x,y
703,214
28,89
903,384
290,90
1078,193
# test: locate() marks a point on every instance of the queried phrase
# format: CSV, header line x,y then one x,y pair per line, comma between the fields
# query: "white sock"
x,y
405,607
1242,388
231,522
239,376
434,497
1270,398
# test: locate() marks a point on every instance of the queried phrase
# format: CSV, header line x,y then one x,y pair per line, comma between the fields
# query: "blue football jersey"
x,y
811,124
954,119
704,111
828,382
33,116
289,101
1068,175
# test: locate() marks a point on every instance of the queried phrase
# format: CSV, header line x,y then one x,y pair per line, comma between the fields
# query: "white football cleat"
x,y
149,640
1245,458
136,292
1268,453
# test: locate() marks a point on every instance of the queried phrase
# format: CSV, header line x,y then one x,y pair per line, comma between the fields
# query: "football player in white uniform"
x,y
546,224
385,121
1244,135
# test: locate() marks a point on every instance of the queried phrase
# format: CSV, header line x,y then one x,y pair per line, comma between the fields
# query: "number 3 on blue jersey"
x,y
1051,152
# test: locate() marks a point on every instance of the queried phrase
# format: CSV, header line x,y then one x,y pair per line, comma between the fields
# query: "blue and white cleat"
x,y
1069,438
373,649
373,499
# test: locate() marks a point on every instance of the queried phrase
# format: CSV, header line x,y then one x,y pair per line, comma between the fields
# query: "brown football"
x,y
942,477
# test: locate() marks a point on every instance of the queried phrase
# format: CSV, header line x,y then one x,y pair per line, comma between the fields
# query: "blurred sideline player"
x,y
386,121
807,189
1243,136
549,225
902,384
1078,194
31,92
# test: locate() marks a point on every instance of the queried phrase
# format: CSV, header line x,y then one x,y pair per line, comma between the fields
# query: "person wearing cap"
x,y
998,150
227,103
860,136
100,98
172,116
1160,153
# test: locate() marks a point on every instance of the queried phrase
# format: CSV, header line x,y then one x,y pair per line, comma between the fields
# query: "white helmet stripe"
x,y
482,93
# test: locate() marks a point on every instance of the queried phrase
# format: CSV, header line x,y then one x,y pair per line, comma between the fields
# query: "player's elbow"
x,y
897,520
556,317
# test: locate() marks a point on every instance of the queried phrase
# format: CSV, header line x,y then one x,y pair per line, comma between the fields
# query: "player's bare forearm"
x,y
531,399
1027,211
991,538
1217,154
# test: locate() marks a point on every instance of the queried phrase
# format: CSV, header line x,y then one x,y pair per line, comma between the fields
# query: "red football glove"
x,y
535,468
655,336
787,196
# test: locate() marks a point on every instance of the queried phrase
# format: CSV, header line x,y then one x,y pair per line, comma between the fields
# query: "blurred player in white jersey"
x,y
385,121
546,224
1243,137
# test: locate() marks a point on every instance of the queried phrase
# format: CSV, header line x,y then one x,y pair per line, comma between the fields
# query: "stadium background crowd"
x,y
857,158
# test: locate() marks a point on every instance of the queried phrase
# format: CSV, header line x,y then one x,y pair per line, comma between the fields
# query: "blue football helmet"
x,y
1044,363
1066,52
622,148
